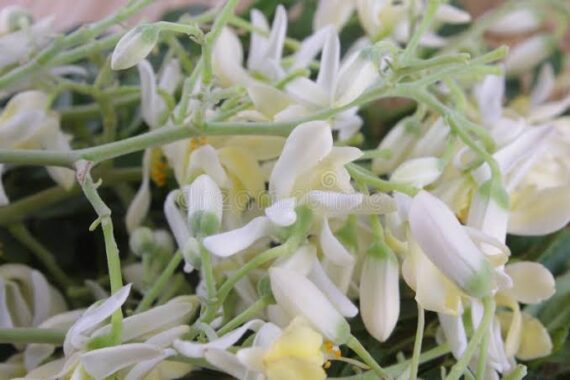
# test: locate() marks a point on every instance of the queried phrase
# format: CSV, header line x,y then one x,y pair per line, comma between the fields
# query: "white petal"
x,y
355,76
547,111
528,54
301,261
532,282
93,317
227,57
206,159
252,358
134,46
433,142
489,95
517,22
282,212
300,297
152,105
41,297
540,212
448,246
231,242
330,62
268,100
150,322
138,209
418,172
331,203
452,15
197,350
310,47
106,361
340,301
226,361
306,146
142,368
544,86
176,220
332,12
454,332
332,247
308,93
380,295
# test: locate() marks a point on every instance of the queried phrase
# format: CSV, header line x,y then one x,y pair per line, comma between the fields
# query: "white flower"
x,y
298,296
448,246
26,123
145,346
18,41
418,172
26,298
516,22
380,292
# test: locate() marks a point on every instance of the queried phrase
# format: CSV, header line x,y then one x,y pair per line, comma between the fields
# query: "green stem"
x,y
26,335
111,249
359,349
245,316
427,19
417,344
17,211
517,374
208,273
211,38
20,232
463,362
483,351
160,283
363,175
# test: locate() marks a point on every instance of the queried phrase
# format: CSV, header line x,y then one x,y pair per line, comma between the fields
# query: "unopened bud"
x,y
134,46
141,241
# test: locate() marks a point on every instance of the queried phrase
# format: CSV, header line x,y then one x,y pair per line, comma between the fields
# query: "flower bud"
x,y
13,18
380,292
445,242
141,241
163,241
300,297
134,46
205,203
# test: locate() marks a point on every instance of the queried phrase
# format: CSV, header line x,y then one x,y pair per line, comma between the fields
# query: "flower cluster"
x,y
265,241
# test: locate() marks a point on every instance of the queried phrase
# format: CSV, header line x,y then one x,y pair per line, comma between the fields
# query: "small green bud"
x,y
141,241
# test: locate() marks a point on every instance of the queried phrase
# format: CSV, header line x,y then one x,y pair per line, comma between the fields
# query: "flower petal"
x,y
282,212
340,301
138,209
197,350
332,248
540,212
231,242
539,289
306,146
106,361
298,296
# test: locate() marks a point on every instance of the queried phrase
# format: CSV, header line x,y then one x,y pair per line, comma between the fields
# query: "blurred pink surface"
x,y
69,13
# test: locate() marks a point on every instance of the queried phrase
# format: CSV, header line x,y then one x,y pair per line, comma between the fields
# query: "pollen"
x,y
196,142
158,168
331,349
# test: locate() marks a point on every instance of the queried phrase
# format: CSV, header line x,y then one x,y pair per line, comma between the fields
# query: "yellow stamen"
x,y
158,168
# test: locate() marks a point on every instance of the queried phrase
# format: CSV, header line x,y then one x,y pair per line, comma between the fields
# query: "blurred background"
x,y
69,13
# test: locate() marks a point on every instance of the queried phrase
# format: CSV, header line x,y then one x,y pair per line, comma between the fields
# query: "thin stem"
x,y
111,249
245,315
160,283
363,175
417,344
483,351
463,362
20,232
208,273
211,38
26,335
17,211
427,19
359,349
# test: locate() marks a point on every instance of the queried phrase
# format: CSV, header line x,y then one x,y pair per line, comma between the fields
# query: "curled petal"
x,y
539,289
231,242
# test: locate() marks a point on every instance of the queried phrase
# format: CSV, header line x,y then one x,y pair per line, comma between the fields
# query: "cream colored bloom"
x,y
27,123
